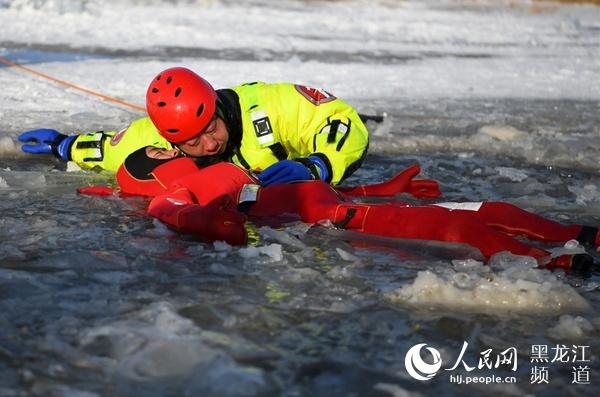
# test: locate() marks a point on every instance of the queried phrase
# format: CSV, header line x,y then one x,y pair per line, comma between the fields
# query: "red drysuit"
x,y
206,202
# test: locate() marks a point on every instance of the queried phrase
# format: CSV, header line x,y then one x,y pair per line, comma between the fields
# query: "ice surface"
x,y
272,251
512,174
516,288
7,145
288,237
158,344
572,328
502,132
347,256
395,390
570,247
414,53
588,194
497,100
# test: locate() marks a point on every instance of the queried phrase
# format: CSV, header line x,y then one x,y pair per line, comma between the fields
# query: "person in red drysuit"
x,y
214,203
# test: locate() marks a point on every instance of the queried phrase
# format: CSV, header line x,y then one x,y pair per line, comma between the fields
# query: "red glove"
x,y
211,222
97,190
401,183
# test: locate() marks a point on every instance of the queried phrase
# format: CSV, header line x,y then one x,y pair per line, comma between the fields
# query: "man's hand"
x,y
303,169
47,141
285,171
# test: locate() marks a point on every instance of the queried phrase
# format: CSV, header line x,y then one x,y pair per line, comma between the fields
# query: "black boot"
x,y
589,236
581,264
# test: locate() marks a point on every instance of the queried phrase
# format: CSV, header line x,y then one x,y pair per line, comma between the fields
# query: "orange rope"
x,y
70,85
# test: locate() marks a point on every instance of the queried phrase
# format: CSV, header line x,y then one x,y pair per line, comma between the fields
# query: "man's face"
x,y
210,142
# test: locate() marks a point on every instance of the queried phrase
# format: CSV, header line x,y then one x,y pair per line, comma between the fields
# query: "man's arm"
x,y
95,150
341,145
324,134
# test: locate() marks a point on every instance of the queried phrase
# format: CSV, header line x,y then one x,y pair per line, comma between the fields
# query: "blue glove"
x,y
294,170
47,141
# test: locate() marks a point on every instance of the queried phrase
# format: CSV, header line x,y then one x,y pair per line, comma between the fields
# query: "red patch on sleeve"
x,y
316,96
117,137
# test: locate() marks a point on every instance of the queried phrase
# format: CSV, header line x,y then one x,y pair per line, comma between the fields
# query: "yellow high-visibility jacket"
x,y
278,121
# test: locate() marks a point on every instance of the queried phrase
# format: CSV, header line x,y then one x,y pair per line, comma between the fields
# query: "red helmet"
x,y
180,103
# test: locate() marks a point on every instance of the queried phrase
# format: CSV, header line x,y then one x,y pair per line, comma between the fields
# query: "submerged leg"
x,y
432,223
441,224
513,220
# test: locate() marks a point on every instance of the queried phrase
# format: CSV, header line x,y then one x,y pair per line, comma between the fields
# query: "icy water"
x,y
97,299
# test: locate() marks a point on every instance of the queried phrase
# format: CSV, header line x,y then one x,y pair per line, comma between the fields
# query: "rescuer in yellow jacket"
x,y
282,131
